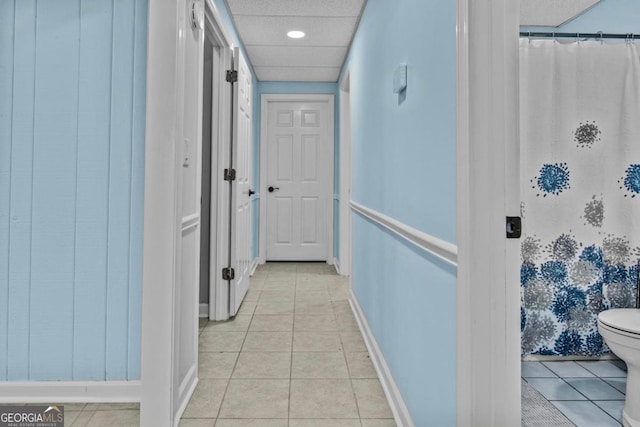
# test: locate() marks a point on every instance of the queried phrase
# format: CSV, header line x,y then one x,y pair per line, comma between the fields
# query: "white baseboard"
x,y
204,309
189,384
254,265
70,391
396,402
336,263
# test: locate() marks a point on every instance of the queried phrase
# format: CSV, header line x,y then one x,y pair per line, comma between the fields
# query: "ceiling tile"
x,y
298,74
290,56
552,13
296,7
256,30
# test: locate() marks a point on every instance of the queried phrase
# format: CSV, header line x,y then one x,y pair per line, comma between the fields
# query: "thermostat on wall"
x,y
400,78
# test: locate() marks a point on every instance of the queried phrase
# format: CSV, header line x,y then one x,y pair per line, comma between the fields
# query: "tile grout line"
x,y
293,328
233,370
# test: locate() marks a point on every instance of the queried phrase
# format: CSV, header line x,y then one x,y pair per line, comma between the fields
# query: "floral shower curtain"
x,y
580,175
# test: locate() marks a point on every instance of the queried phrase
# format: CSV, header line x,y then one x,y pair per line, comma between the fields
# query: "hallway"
x,y
293,356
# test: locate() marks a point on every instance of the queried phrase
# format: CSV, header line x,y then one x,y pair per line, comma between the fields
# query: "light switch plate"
x,y
400,78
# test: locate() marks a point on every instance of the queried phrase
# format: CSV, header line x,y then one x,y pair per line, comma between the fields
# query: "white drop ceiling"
x,y
329,26
318,57
552,13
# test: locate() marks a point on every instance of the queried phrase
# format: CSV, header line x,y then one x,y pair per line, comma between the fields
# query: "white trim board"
x,y
221,117
336,264
70,391
161,208
204,310
487,286
265,99
254,266
446,251
344,238
399,409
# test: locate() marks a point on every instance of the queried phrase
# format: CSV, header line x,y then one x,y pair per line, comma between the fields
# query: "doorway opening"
x,y
216,99
297,169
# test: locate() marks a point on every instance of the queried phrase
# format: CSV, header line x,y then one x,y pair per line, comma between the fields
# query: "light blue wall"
x,y
72,116
404,166
408,297
608,16
305,88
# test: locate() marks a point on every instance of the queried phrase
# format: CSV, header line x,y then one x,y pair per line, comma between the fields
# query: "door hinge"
x,y
229,174
228,274
232,76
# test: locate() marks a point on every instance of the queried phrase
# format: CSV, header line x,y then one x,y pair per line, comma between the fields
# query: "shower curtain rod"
x,y
598,36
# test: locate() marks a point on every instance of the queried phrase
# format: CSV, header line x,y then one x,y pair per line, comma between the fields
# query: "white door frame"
x,y
344,263
162,216
242,162
218,289
265,99
488,353
488,287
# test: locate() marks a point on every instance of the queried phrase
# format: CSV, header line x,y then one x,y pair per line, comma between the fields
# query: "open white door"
x,y
240,247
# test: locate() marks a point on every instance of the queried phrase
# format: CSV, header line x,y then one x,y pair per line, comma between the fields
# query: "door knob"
x,y
272,189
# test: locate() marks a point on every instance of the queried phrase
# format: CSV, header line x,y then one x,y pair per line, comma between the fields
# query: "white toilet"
x,y
620,328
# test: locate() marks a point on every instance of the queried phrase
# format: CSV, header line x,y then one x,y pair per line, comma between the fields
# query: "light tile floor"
x,y
293,356
590,394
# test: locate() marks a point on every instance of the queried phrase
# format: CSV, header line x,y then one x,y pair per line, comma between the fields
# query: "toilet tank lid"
x,y
625,319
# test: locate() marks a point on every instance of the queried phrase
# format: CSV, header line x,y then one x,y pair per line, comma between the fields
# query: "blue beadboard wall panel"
x,y
119,189
94,113
72,117
54,190
137,188
21,192
6,89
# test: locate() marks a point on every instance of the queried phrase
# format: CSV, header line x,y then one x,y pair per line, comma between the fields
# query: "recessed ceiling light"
x,y
295,34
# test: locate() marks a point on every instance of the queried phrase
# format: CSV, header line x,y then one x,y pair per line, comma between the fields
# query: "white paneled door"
x,y
240,259
189,141
299,176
